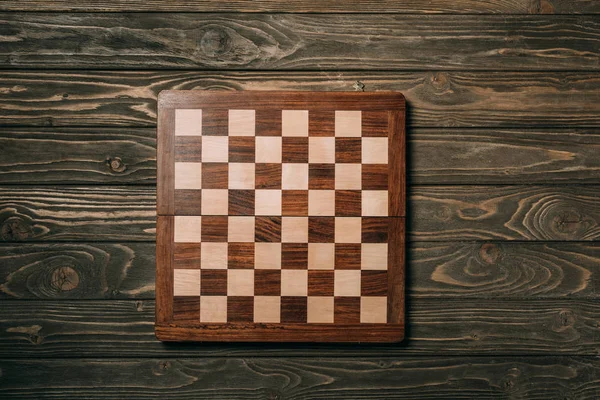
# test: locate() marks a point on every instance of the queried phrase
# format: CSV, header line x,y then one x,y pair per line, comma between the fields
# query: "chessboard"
x,y
280,216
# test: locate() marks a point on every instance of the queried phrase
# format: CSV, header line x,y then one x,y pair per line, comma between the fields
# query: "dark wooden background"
x,y
504,158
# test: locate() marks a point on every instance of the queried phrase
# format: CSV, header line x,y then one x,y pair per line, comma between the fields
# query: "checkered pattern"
x,y
292,225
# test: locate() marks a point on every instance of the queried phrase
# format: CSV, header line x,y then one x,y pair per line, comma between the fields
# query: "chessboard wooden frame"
x,y
168,330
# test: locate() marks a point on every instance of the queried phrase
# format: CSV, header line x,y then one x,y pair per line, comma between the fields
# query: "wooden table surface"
x,y
503,227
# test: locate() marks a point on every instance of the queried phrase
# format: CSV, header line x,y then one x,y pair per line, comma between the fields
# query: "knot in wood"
x,y
569,222
64,279
15,228
116,164
566,318
489,253
215,42
440,81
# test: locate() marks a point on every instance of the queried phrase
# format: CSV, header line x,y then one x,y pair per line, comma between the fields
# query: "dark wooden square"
x,y
321,123
294,309
214,228
347,255
188,148
242,149
267,229
267,176
321,229
348,150
240,309
375,229
241,202
346,310
320,283
294,255
213,282
348,203
374,177
215,122
186,308
294,203
268,122
267,282
294,150
215,175
186,255
240,255
375,123
373,283
321,176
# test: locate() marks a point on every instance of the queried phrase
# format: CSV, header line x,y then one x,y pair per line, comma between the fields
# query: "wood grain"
x,y
504,213
435,99
125,328
536,378
436,213
77,271
436,156
299,42
442,270
48,213
302,6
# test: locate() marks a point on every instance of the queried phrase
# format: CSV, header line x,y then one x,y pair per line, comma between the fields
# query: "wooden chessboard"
x,y
280,216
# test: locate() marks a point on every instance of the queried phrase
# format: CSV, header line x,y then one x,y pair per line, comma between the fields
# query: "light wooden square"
x,y
346,283
321,256
348,176
267,255
267,309
187,229
241,175
213,309
188,122
240,229
374,150
375,203
294,176
294,229
268,149
348,123
320,310
294,282
294,123
348,229
373,310
321,150
321,202
188,175
213,255
186,282
267,202
241,122
215,149
374,256
240,282
215,201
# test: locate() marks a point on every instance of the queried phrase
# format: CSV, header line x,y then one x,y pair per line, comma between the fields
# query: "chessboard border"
x,y
166,329
393,102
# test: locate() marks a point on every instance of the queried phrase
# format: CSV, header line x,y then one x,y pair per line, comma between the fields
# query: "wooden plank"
x,y
77,213
436,213
125,328
434,99
46,156
501,270
465,270
437,156
504,213
302,6
299,42
303,378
